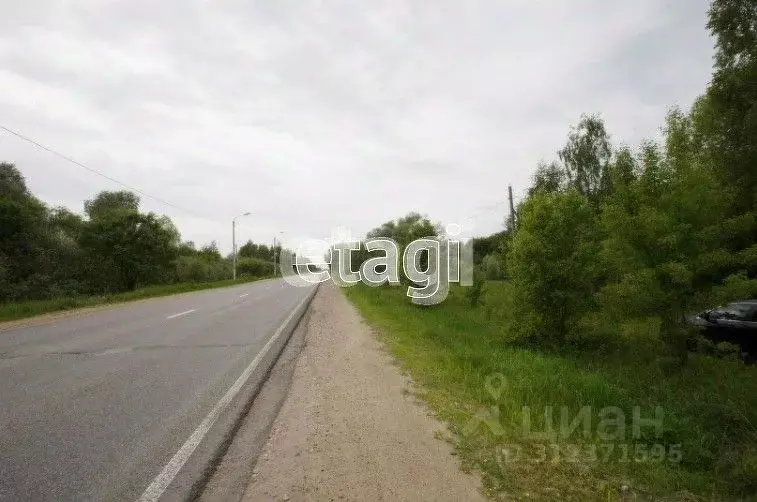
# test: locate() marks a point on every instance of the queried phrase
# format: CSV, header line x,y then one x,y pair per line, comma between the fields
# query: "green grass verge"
x,y
466,365
20,310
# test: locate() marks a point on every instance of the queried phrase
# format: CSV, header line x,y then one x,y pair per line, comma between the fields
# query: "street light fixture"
x,y
234,243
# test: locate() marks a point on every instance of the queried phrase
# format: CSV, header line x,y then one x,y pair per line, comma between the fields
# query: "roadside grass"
x,y
20,310
465,364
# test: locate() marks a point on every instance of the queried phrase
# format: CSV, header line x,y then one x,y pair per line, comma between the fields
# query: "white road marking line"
x,y
180,314
242,296
172,468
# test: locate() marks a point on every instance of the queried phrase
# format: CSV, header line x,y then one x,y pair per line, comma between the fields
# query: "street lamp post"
x,y
234,243
274,252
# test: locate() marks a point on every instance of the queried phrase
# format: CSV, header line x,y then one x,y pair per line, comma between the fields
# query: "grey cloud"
x,y
313,113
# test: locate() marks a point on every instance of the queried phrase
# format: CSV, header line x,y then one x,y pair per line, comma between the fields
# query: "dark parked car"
x,y
735,323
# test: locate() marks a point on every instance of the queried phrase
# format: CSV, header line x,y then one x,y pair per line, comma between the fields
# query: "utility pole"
x,y
512,208
274,255
234,244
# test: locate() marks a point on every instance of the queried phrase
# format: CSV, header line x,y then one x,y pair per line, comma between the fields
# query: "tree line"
x,y
113,247
620,240
614,241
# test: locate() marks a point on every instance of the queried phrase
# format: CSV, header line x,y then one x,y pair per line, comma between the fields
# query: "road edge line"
x,y
160,483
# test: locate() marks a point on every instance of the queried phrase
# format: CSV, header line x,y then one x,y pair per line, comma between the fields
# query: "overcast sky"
x,y
314,114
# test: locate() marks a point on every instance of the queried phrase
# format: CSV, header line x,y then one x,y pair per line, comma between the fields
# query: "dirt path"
x,y
349,429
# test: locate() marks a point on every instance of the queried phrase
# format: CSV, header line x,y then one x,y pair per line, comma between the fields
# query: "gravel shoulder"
x,y
350,428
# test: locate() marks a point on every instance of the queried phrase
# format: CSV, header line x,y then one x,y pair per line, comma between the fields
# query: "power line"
x,y
95,171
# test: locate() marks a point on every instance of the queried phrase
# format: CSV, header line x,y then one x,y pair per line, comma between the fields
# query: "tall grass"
x,y
467,364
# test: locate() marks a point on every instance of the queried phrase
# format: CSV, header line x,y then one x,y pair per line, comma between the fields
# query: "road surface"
x,y
94,407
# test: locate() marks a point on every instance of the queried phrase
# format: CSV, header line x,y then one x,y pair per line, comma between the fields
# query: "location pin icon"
x,y
495,384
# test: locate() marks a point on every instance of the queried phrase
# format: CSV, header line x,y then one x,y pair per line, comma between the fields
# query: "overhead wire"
x,y
96,171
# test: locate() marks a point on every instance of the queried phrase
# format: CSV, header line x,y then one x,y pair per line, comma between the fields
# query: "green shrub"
x,y
492,267
254,267
198,268
551,266
475,292
727,350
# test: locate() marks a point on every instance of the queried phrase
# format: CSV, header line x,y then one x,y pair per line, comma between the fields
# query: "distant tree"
x,y
137,248
260,251
107,202
210,251
492,267
404,230
171,230
196,268
187,249
549,178
586,156
489,245
254,267
11,181
622,170
69,224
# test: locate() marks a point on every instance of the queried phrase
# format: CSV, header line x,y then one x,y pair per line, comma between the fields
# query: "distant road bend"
x,y
130,402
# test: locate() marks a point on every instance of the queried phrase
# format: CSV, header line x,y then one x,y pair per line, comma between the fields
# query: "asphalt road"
x,y
93,407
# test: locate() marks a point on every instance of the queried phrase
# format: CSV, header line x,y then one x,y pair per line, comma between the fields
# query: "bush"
x,y
254,267
475,292
550,264
492,267
198,268
727,350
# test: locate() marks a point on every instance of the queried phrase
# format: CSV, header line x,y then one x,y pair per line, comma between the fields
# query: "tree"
x,y
171,230
132,248
107,202
63,254
622,169
667,236
549,178
732,98
260,251
210,251
586,157
48,253
187,249
255,267
197,268
11,181
492,267
489,245
66,223
23,221
551,264
405,230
